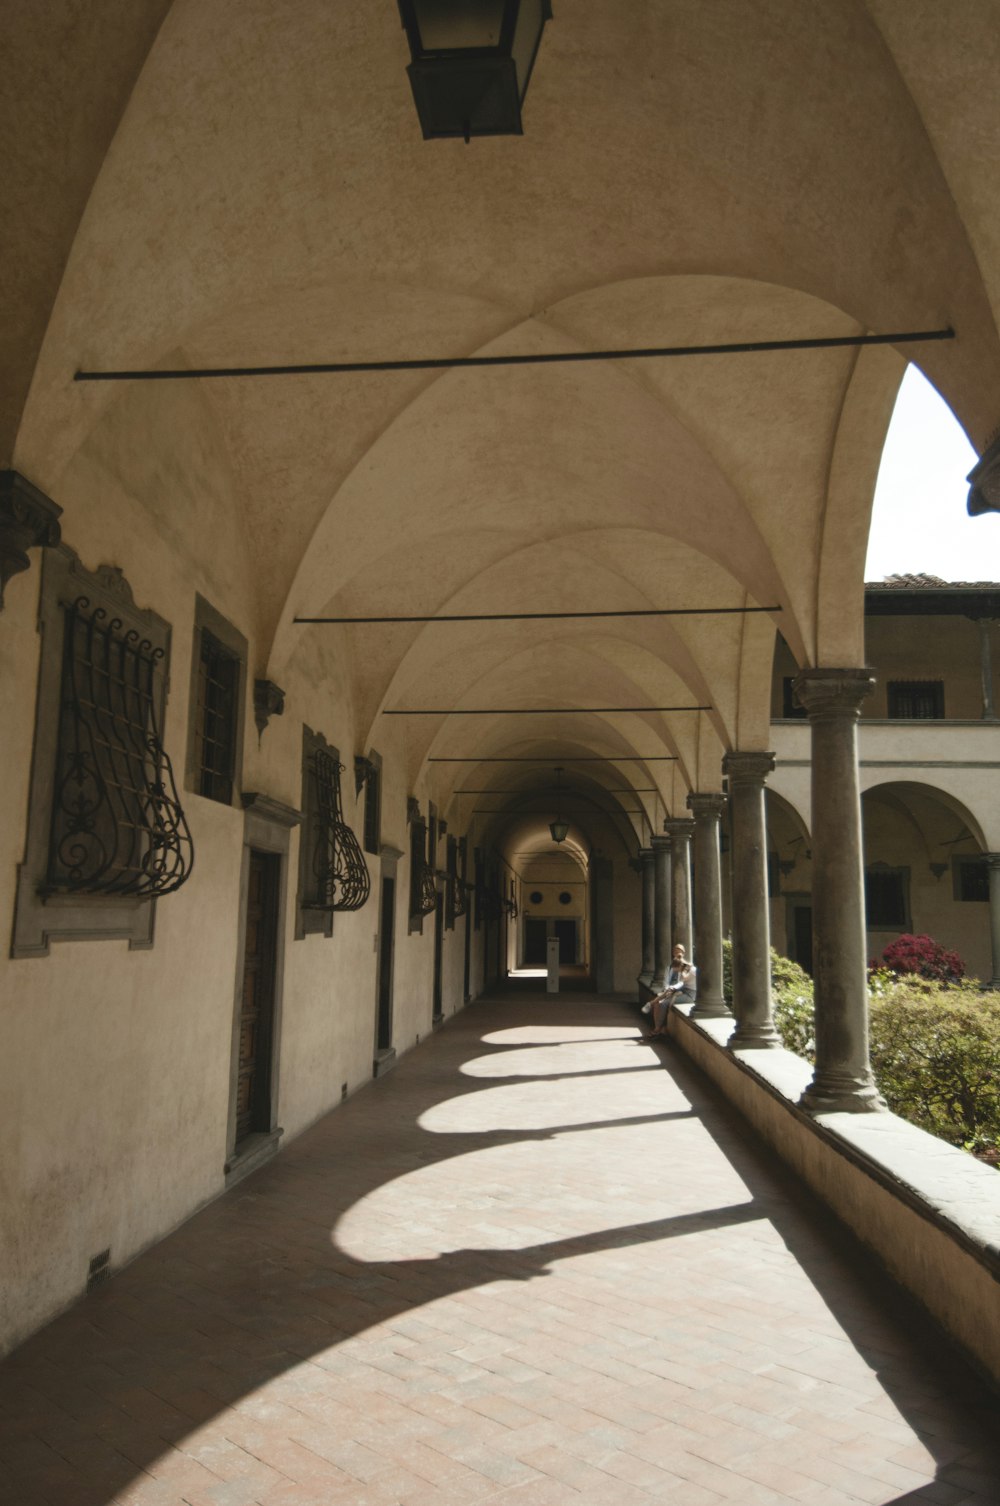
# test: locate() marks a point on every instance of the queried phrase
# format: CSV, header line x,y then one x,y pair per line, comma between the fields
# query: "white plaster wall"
x,y
114,1080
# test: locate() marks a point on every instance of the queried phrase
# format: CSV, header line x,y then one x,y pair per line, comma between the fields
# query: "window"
x,y
333,873
423,889
887,898
971,878
373,804
218,688
106,832
916,700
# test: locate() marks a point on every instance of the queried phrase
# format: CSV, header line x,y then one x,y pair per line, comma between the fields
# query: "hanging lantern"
x,y
559,828
472,60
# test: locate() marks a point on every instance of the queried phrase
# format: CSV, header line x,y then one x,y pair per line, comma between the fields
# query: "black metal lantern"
x,y
559,829
472,60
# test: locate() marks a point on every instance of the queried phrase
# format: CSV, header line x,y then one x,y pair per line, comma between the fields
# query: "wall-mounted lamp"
x,y
472,62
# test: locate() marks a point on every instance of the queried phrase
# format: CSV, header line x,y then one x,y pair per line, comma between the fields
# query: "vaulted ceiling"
x,y
233,182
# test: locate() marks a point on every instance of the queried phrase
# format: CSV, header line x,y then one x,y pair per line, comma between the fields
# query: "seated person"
x,y
682,984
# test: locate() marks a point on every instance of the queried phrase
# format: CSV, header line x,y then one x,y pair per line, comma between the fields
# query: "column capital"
x,y
992,859
28,520
679,828
707,803
659,843
646,854
747,768
833,694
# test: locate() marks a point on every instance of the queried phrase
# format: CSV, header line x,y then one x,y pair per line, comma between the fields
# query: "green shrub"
x,y
936,1057
935,1047
792,997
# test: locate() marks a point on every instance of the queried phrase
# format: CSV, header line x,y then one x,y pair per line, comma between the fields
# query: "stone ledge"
x,y
927,1210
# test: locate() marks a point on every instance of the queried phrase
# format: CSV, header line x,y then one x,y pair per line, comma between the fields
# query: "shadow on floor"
x,y
252,1286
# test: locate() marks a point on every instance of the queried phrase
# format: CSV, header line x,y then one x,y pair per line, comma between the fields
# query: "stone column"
x,y
661,914
993,862
751,923
707,811
843,1077
647,861
680,832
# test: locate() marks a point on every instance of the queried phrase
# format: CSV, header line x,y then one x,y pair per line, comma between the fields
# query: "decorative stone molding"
x,y
268,701
984,481
706,805
412,809
269,809
364,768
679,828
28,520
832,694
747,768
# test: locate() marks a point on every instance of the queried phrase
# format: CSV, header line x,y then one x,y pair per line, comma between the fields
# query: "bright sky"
x,y
919,521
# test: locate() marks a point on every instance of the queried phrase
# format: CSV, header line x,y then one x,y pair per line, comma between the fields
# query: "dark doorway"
x,y
256,1026
386,945
566,931
534,942
438,949
467,971
802,936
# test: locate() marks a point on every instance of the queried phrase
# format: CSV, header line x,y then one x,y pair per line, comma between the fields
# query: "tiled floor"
x,y
537,1263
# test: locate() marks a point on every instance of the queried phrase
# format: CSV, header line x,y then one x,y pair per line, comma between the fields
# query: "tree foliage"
x,y
923,956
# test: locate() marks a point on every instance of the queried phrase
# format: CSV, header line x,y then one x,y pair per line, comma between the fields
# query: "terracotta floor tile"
x,y
516,1270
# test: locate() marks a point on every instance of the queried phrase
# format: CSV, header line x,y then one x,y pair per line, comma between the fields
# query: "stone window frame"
x,y
371,827
208,620
39,921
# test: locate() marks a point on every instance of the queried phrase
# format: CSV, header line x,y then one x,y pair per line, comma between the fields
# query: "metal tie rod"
x,y
536,710
545,758
537,358
543,616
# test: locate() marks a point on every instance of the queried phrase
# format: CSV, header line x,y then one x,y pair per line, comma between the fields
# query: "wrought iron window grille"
x,y
342,880
423,880
117,825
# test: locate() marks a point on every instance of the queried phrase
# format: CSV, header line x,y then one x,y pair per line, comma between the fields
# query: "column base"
x,y
842,1093
711,1009
645,984
750,1036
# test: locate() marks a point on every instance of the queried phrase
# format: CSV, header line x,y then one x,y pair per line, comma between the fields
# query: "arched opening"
x,y
925,871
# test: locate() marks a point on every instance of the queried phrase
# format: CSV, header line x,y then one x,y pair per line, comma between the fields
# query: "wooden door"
x,y
438,950
253,1089
387,921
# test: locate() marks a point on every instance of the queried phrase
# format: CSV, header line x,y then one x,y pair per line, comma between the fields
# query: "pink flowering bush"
x,y
925,957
